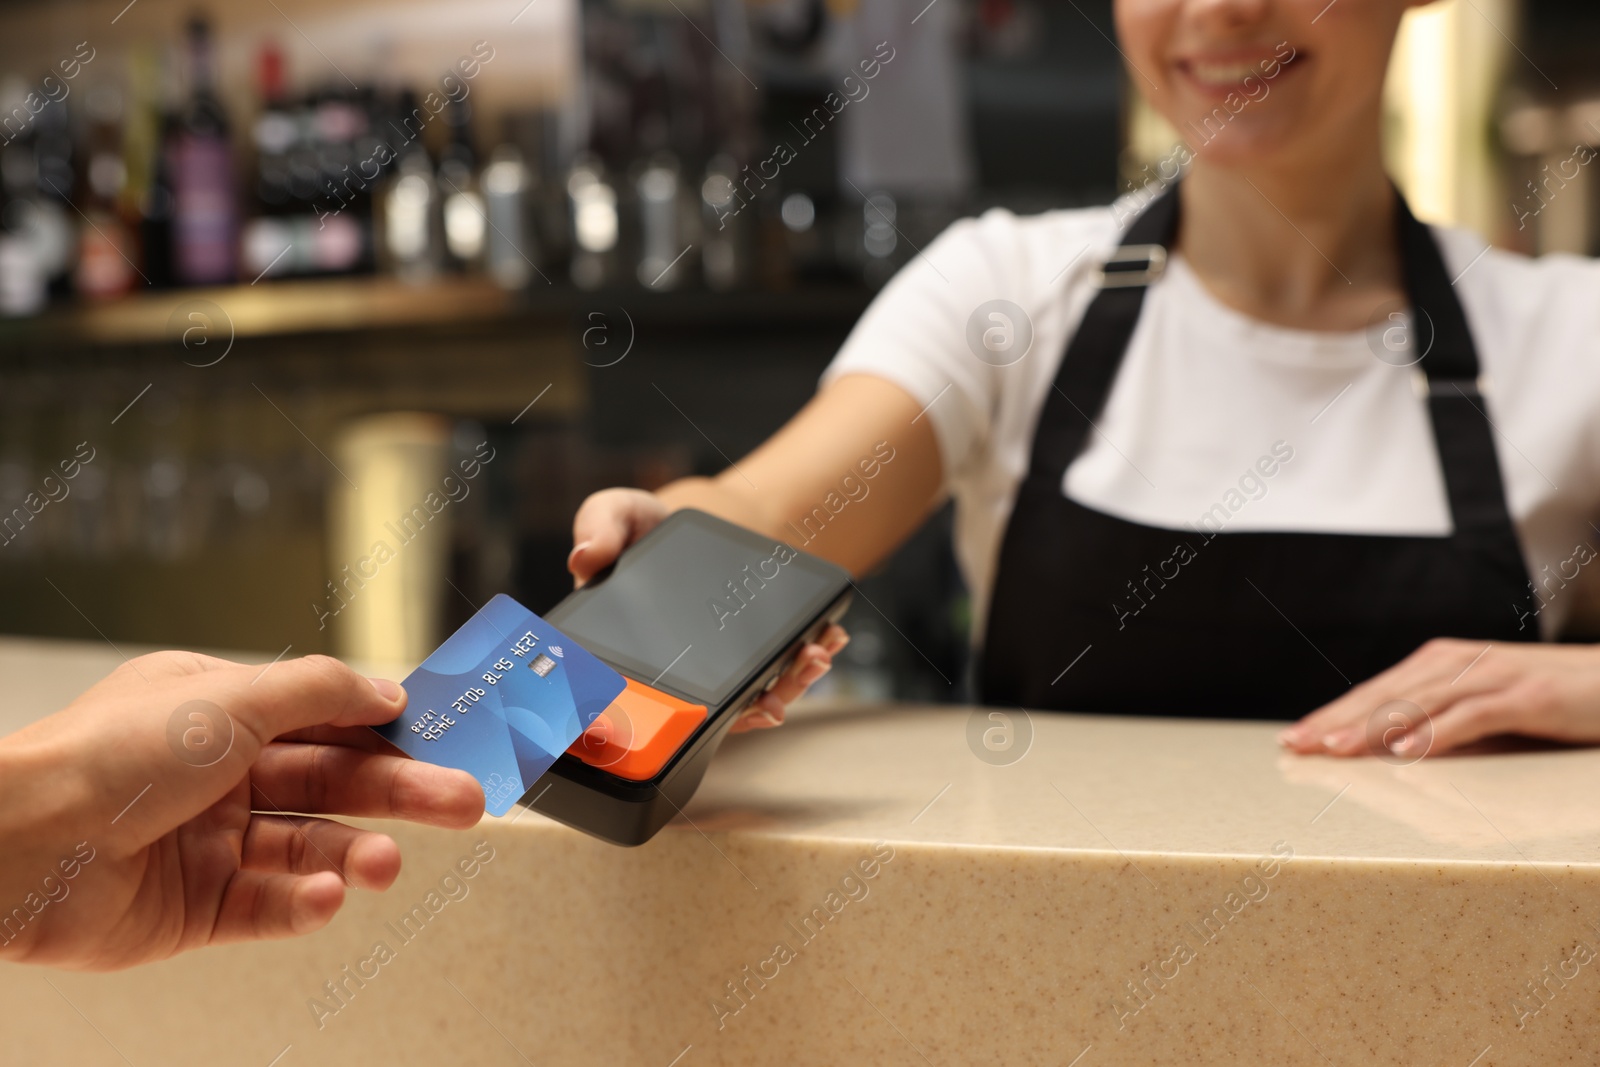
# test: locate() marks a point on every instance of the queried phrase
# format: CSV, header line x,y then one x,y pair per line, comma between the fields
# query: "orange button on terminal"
x,y
639,733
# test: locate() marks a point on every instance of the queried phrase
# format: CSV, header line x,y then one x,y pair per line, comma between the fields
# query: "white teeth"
x,y
1224,73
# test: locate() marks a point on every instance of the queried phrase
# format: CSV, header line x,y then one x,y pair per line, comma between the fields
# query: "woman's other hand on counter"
x,y
612,519
150,816
1451,693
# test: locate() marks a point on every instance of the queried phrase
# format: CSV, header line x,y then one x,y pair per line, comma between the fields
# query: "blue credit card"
x,y
501,699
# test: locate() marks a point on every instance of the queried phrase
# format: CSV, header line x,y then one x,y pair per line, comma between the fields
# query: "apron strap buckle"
x,y
1131,265
1426,388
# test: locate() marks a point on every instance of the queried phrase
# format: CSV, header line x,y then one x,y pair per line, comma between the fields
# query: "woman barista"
x,y
1253,444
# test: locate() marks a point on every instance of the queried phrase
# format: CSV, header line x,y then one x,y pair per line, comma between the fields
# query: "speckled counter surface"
x,y
861,887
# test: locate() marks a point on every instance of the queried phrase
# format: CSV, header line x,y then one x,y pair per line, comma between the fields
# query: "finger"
x,y
1472,719
764,714
1331,725
606,523
768,710
257,906
306,692
834,638
286,844
1373,734
1308,734
811,664
357,737
334,780
1535,705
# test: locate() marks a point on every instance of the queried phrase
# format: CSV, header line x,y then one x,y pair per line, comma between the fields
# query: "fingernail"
x,y
813,672
1337,740
576,549
388,690
1291,736
1402,745
761,717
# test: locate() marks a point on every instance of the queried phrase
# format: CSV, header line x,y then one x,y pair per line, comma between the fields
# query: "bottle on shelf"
x,y
147,191
725,257
411,223
271,245
200,160
39,242
592,203
340,225
466,221
543,139
22,288
305,174
106,246
58,184
22,276
665,240
511,251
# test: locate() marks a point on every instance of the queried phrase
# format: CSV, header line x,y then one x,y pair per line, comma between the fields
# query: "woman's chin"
x,y
1236,148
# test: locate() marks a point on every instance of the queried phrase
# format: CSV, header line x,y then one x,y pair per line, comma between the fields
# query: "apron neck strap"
x,y
1095,350
1454,389
1439,325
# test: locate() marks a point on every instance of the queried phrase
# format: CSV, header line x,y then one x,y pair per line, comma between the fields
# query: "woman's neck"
x,y
1308,245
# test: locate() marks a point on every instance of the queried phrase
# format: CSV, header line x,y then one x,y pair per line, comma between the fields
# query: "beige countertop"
x,y
1127,891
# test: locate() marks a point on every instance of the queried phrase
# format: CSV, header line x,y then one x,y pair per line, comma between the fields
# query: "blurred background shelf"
x,y
278,308
359,304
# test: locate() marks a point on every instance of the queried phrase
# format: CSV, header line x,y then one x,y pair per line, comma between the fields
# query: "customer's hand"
x,y
143,820
612,519
1450,693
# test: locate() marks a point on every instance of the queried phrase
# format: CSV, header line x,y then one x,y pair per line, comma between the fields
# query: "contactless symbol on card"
x,y
470,707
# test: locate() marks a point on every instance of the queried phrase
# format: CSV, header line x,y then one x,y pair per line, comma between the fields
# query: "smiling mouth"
x,y
1218,77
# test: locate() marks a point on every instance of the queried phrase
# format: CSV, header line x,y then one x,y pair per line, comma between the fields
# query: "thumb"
x,y
608,522
310,691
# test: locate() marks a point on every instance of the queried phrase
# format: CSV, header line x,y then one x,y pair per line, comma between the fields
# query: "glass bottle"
x,y
465,220
664,244
268,245
511,249
411,223
205,221
592,202
106,246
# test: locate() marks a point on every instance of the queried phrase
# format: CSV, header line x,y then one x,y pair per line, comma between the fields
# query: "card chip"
x,y
542,665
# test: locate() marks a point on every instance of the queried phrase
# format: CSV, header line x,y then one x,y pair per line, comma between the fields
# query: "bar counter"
x,y
922,886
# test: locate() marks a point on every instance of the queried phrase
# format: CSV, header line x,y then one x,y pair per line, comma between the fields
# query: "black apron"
x,y
1094,613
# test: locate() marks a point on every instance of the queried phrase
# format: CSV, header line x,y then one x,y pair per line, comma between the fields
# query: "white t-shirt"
x,y
1204,392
